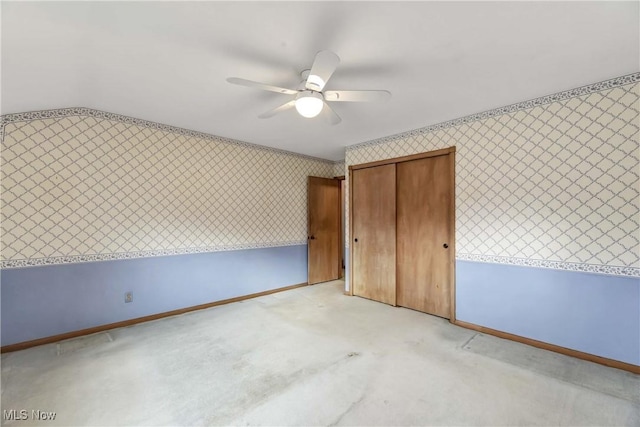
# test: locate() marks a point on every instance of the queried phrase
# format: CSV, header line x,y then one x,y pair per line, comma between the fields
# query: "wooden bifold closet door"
x,y
403,232
374,233
423,275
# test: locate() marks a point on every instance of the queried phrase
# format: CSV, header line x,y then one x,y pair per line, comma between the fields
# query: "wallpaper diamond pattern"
x,y
551,182
556,182
81,185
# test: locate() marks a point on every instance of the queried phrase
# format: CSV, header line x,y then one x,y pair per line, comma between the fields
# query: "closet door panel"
x,y
424,192
374,233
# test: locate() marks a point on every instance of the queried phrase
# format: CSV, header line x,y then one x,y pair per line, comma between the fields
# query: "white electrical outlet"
x,y
128,297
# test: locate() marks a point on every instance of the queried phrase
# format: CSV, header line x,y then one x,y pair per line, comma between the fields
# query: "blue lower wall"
x,y
592,313
38,302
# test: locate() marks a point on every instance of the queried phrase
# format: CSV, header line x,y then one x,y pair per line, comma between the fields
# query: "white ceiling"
x,y
168,61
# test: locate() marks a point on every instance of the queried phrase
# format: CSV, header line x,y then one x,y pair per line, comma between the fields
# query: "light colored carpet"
x,y
311,356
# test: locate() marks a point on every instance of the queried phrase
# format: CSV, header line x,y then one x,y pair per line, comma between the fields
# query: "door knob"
x,y
312,238
356,239
445,246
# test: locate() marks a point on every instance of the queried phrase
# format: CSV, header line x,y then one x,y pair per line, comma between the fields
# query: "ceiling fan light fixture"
x,y
310,97
309,104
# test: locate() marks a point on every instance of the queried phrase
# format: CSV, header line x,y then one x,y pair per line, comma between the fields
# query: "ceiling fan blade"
x,y
330,115
323,67
356,95
276,110
250,83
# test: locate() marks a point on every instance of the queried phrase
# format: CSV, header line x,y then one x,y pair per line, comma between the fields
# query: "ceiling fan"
x,y
310,97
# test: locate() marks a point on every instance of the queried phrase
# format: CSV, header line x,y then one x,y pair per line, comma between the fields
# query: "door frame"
x,y
449,151
341,239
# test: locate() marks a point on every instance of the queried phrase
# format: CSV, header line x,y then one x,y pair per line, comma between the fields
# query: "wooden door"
x,y
374,233
425,235
323,236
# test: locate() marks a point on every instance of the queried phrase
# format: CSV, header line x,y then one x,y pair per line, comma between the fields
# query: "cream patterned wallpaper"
x,y
84,185
552,182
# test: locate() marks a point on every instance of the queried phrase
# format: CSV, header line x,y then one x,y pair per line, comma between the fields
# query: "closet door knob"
x,y
356,239
445,246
